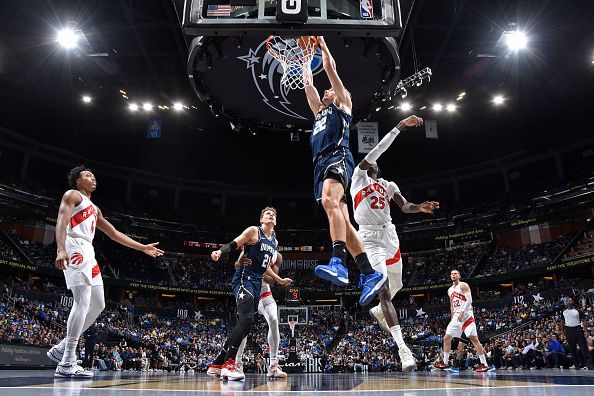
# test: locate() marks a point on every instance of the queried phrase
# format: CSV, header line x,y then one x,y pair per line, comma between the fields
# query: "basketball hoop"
x,y
292,324
295,56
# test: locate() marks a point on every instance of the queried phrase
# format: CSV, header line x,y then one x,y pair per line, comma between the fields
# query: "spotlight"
x,y
405,106
133,106
67,38
178,106
403,92
147,107
423,108
451,107
86,99
378,109
462,94
437,107
498,100
516,40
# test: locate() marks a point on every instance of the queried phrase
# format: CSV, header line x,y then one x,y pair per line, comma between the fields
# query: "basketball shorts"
x,y
383,249
246,287
337,165
265,300
82,268
466,325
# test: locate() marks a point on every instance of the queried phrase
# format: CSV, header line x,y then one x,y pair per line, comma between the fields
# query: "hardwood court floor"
x,y
505,383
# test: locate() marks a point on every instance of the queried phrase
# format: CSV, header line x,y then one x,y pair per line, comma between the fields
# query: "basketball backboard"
x,y
352,18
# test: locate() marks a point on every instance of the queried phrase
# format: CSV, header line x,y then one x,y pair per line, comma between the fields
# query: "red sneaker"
x,y
481,369
230,372
214,370
440,365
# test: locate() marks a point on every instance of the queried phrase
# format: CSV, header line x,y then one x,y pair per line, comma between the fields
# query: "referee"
x,y
574,332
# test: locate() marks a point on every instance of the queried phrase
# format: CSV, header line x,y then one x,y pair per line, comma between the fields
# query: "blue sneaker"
x,y
492,368
371,284
334,272
454,370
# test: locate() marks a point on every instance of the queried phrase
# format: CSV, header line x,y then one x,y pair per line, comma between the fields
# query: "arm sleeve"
x,y
393,189
468,301
382,146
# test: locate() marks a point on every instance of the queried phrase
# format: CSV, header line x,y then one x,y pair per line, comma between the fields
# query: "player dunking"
x,y
462,322
371,204
77,220
261,248
333,167
267,308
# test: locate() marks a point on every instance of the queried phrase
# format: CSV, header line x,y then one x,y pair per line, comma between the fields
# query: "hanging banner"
x,y
368,136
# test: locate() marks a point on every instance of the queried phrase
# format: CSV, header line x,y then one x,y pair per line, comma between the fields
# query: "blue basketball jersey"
x,y
331,130
261,253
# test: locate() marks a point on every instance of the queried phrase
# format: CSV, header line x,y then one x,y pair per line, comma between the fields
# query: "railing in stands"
x,y
520,327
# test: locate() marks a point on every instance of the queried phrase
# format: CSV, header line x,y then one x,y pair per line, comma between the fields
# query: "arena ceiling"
x,y
137,47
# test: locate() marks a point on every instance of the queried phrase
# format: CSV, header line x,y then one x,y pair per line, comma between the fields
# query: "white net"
x,y
295,56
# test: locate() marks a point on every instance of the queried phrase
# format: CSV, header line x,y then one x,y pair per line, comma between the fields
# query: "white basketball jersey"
x,y
371,198
83,220
458,299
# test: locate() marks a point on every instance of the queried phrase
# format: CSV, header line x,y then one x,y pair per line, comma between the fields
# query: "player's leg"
x,y
239,356
370,280
96,306
454,330
470,330
74,327
269,310
332,192
458,354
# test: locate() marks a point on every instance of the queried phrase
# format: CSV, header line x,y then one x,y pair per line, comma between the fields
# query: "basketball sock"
x,y
483,359
363,263
339,251
446,357
239,356
76,319
397,335
270,313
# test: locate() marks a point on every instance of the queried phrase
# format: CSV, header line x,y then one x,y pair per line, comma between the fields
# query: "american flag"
x,y
218,10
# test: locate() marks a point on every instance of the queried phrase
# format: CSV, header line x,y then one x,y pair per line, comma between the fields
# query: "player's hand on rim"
x,y
152,250
61,260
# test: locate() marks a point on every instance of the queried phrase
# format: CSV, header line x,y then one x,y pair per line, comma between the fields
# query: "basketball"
x,y
305,42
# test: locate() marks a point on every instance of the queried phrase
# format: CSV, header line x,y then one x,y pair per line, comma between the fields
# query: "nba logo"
x,y
367,9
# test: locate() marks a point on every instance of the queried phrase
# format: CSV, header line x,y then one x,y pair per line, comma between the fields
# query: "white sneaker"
x,y
55,354
407,358
274,371
377,313
230,373
72,371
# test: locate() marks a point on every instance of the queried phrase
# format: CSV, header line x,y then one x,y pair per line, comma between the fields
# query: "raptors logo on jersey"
x,y
458,299
371,198
83,220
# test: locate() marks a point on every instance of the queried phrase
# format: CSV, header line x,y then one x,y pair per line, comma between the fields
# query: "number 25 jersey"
x,y
371,198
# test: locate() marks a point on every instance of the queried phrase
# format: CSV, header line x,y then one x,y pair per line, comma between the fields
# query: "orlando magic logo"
x,y
267,73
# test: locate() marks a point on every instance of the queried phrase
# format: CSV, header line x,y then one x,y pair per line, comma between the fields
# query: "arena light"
x,y
437,107
178,106
516,40
405,106
451,107
498,100
87,99
133,107
67,38
147,106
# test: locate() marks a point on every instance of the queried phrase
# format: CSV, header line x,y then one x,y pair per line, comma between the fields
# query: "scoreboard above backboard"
x,y
350,18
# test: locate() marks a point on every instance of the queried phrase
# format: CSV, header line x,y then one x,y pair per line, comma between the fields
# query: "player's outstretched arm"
x,y
311,93
249,235
278,279
386,142
330,68
408,207
121,238
69,200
